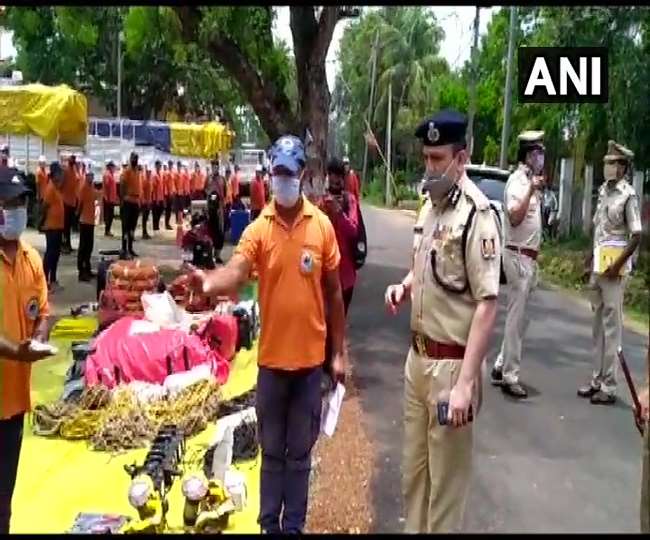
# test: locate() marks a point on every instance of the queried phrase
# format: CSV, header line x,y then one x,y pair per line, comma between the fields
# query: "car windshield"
x,y
492,188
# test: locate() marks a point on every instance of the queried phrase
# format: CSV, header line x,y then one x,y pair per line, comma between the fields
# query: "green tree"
x,y
78,46
240,39
408,59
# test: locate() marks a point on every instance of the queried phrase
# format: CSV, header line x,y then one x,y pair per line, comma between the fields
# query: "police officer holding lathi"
x,y
617,233
453,285
523,235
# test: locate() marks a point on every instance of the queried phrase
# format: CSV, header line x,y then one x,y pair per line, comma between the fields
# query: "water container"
x,y
239,220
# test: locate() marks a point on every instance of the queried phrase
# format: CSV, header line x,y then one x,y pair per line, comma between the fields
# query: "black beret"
x,y
445,127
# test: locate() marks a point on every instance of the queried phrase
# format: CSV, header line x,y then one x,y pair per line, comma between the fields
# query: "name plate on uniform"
x,y
606,253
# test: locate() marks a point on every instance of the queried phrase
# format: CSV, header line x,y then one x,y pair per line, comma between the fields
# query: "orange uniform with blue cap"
x,y
23,300
290,264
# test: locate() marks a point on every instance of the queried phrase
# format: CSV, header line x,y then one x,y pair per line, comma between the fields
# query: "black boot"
x,y
515,390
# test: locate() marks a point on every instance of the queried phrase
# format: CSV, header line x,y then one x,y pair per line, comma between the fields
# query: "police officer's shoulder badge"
x,y
306,262
31,309
488,248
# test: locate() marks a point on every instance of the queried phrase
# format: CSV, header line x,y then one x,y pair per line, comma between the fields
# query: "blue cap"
x,y
288,152
12,183
445,127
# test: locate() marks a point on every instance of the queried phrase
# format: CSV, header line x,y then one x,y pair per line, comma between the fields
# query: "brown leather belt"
x,y
436,350
528,252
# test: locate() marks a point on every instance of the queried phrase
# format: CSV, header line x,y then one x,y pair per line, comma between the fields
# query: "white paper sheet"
x,y
331,408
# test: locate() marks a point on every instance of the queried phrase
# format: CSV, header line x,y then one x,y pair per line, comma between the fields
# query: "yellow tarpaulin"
x,y
57,479
199,140
45,111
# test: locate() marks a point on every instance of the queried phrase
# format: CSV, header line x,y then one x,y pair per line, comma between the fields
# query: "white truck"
x,y
248,157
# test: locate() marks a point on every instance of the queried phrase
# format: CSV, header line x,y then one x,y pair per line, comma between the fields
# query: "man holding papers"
x,y
617,233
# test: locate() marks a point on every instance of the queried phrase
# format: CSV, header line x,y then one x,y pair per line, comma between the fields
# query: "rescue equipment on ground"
x,y
152,480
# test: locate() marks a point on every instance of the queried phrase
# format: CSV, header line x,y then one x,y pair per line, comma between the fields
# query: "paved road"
x,y
553,463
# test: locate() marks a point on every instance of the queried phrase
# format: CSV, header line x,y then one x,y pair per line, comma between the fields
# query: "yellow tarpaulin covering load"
x,y
199,140
45,111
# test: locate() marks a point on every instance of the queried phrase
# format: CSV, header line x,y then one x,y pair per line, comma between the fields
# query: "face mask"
x,y
537,162
15,223
438,185
610,171
286,190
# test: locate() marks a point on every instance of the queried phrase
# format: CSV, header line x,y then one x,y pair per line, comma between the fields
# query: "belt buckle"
x,y
419,341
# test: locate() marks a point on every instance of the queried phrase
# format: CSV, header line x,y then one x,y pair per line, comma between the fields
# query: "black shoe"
x,y
109,235
91,274
85,278
496,376
133,254
146,237
515,390
169,228
601,398
66,251
125,256
587,391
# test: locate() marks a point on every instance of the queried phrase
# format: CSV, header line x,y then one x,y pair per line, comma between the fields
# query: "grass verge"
x,y
561,263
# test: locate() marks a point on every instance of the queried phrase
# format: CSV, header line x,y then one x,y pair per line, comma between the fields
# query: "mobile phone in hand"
x,y
443,410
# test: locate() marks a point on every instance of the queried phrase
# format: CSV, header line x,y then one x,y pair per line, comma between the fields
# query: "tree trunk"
x,y
311,38
311,41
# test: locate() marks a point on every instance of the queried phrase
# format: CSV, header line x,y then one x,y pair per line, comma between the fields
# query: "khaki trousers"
x,y
645,483
521,273
607,304
437,460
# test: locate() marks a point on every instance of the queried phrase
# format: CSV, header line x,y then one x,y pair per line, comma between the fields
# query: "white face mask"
x,y
15,223
286,190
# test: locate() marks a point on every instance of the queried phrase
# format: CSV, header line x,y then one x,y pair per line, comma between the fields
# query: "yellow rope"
x,y
118,421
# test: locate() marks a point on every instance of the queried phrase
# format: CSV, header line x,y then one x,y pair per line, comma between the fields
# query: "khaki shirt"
x,y
617,213
447,286
528,234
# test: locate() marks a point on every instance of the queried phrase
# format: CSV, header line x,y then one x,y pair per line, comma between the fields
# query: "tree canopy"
x,y
579,131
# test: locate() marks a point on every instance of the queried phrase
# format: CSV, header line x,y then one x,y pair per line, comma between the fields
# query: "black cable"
x,y
238,404
245,444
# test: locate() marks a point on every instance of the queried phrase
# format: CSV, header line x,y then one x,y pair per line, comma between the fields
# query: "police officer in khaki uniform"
x,y
522,237
617,217
453,285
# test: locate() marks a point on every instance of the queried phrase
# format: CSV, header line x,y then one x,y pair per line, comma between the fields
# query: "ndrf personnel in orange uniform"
x,y
89,195
23,317
147,200
70,191
523,236
41,177
185,186
617,234
111,200
305,256
453,285
131,192
158,190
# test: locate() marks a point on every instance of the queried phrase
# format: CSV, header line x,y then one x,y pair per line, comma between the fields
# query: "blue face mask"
x,y
286,190
15,223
